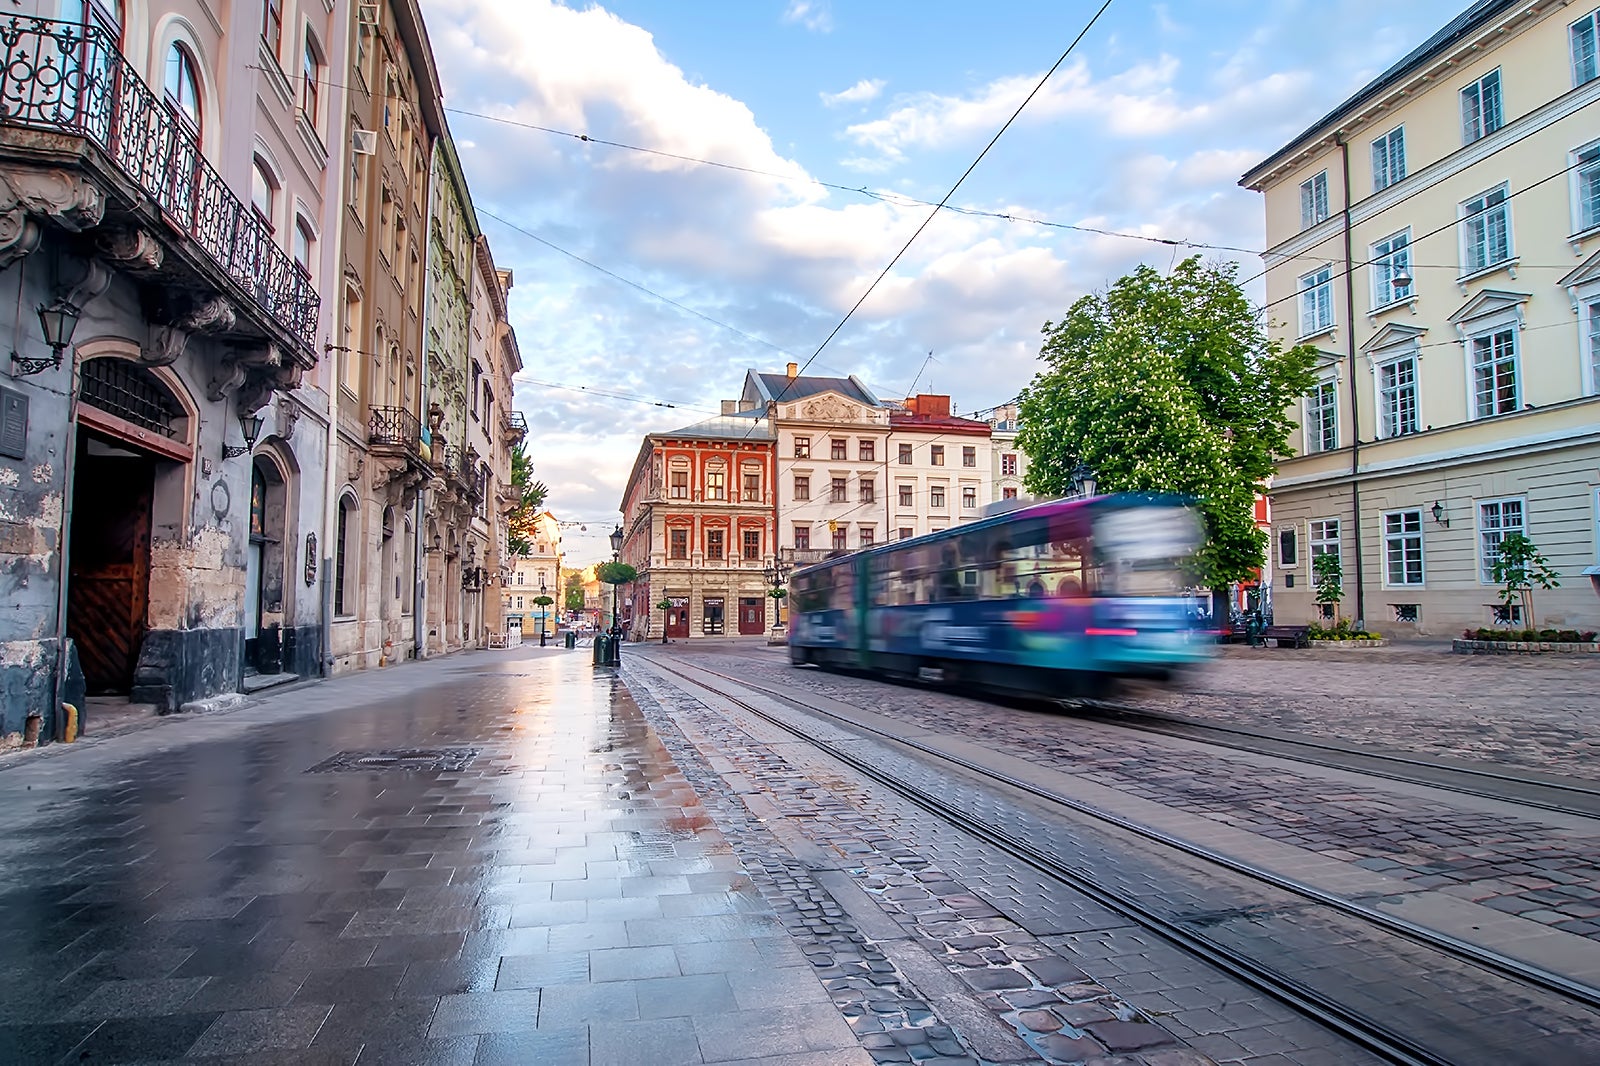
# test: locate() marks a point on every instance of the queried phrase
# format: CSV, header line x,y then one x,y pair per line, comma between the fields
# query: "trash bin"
x,y
572,639
600,649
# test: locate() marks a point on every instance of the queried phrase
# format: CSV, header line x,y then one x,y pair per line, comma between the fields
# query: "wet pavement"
x,y
491,859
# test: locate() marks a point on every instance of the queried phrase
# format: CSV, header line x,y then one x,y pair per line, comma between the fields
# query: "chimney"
x,y
730,407
794,371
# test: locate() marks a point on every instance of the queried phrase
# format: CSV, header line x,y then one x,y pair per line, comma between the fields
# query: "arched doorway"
x,y
132,450
266,607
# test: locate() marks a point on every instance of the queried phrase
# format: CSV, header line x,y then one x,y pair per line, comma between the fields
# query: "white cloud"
x,y
861,92
814,15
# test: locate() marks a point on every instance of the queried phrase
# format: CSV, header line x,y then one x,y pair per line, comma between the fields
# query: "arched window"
x,y
182,87
258,503
343,554
311,69
263,190
303,241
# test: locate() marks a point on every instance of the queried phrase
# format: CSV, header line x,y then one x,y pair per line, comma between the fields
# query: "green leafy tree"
x,y
1327,577
528,498
615,573
1517,568
575,598
1168,384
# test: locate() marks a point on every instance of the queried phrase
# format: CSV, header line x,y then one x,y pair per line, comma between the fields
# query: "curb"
x,y
1523,647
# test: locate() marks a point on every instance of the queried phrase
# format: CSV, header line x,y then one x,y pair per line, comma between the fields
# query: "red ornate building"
x,y
699,524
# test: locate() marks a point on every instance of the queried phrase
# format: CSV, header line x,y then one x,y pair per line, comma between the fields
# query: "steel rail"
x,y
1503,965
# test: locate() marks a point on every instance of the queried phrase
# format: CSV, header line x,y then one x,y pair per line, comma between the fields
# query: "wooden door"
x,y
678,621
752,616
108,594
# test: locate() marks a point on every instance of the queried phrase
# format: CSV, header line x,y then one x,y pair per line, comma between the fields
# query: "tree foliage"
x,y
1327,575
1518,567
575,598
1168,384
615,573
528,500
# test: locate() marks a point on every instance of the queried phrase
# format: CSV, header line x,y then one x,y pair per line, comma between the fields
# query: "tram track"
x,y
1305,996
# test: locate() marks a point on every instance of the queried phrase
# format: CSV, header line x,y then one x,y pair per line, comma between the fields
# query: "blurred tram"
x,y
1059,599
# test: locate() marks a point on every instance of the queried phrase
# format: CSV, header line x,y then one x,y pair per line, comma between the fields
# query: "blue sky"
x,y
1145,129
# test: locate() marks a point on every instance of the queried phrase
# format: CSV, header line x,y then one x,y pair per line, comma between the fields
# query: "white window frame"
x,y
1477,128
1579,75
1318,541
1389,258
1404,539
1486,552
1316,444
1467,214
1314,200
936,498
1389,159
1488,329
1293,530
1316,302
1586,172
1589,338
1392,426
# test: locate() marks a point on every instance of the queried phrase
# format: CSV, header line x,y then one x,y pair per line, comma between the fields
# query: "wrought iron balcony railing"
x,y
516,425
61,77
397,427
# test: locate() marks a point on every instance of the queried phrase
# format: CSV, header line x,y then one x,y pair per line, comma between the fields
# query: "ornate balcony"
x,y
60,79
515,426
395,428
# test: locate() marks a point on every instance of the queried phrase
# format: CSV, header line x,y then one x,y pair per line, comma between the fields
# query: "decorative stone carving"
x,y
132,249
829,409
174,318
288,416
30,196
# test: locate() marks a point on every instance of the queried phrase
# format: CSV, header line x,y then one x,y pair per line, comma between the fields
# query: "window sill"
x,y
1577,239
274,73
1409,302
1329,331
1508,265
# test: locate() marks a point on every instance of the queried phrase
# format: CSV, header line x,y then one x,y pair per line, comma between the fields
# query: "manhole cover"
x,y
417,760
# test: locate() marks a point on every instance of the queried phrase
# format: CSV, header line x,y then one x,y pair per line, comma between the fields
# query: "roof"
x,y
761,388
749,426
942,423
1479,14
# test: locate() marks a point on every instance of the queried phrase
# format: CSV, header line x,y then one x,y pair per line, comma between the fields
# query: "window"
x,y
1496,518
1480,108
1322,428
262,190
839,491
869,490
752,488
868,451
802,447
1402,547
802,487
1407,612
1485,231
1314,200
343,603
1494,373
906,532
752,544
714,543
303,241
1288,548
1008,494
936,454
802,538
311,69
1391,259
716,485
838,447
182,88
272,25
1008,464
905,455
841,537
969,497
936,497
1324,537
1584,67
1389,158
680,484
907,496
1397,397
969,455
1316,302
1586,188
1592,312
866,536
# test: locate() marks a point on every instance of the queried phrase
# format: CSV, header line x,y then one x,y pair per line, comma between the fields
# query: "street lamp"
x,y
776,574
1083,480
543,608
616,616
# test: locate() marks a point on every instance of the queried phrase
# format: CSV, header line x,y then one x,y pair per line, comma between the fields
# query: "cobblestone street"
x,y
515,857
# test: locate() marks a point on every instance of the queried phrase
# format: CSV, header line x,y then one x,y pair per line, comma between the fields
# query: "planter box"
x,y
1349,643
1523,647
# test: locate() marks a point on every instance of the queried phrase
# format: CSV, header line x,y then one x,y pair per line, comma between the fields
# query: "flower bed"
x,y
1372,641
1524,647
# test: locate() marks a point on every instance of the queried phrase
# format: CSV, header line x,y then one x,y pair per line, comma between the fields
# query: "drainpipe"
x,y
1355,392
419,586
330,464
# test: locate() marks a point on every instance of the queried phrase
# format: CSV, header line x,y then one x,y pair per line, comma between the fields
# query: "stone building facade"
x,y
500,429
1436,236
700,525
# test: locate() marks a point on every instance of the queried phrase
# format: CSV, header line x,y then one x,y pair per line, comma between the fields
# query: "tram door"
x,y
752,616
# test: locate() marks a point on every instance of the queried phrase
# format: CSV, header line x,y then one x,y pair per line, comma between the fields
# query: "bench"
x,y
1294,636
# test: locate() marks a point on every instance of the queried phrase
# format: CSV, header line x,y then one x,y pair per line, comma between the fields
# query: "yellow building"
x,y
1437,238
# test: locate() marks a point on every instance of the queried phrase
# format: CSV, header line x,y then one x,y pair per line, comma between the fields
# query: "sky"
x,y
649,279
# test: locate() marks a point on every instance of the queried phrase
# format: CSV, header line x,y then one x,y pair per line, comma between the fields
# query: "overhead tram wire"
x,y
946,199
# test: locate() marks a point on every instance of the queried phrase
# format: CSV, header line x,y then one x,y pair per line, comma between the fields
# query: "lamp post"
x,y
1083,480
776,574
543,608
616,617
